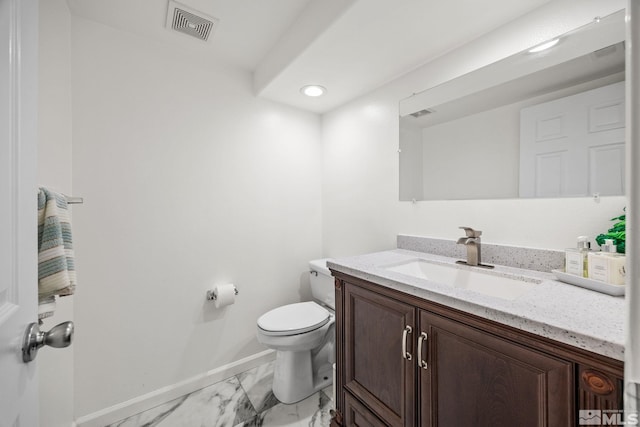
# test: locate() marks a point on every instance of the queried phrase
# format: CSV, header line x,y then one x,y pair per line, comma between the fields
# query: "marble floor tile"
x,y
245,400
224,404
257,384
310,412
328,391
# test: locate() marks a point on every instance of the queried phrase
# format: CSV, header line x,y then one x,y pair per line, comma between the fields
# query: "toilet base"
x,y
292,381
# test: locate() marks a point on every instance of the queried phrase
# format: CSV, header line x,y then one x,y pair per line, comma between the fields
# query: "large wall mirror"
x,y
546,123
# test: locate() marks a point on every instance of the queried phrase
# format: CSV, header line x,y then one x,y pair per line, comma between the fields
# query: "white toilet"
x,y
303,335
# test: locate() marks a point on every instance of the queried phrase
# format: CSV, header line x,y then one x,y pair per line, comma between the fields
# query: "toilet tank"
x,y
322,287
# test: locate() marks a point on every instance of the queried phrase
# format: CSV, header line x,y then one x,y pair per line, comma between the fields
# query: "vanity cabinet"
x,y
376,371
405,361
474,378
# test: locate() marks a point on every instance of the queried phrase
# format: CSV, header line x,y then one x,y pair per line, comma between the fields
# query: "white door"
x,y
18,208
574,146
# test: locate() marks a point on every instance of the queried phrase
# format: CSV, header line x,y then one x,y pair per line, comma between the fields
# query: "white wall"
x,y
55,366
478,154
361,212
411,163
189,181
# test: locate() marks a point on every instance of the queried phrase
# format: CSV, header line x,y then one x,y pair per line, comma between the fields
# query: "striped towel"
x,y
56,268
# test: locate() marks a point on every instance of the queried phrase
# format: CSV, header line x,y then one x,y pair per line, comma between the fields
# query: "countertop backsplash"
x,y
511,256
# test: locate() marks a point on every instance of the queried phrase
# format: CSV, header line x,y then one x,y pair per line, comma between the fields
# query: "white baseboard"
x,y
166,394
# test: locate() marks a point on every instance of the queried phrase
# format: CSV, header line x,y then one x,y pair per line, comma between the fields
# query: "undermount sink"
x,y
465,278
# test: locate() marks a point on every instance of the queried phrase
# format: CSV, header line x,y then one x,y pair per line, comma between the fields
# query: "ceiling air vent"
x,y
422,112
191,22
605,51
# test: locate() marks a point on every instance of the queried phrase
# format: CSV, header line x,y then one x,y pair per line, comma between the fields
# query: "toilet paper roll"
x,y
225,295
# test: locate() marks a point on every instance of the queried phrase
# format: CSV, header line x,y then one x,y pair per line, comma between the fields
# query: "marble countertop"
x,y
553,309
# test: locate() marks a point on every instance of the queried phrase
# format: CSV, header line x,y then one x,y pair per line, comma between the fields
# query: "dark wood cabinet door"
x,y
356,414
478,379
375,370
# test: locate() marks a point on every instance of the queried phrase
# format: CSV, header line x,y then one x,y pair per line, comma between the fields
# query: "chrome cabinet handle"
x,y
405,353
421,340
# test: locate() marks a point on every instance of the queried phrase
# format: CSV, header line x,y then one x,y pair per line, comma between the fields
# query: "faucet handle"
x,y
471,232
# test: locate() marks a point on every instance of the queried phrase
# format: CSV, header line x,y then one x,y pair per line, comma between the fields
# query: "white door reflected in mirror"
x,y
574,146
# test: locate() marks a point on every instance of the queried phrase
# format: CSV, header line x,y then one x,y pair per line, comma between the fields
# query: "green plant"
x,y
617,233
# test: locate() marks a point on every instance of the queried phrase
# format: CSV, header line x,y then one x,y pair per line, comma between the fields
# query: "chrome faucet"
x,y
472,243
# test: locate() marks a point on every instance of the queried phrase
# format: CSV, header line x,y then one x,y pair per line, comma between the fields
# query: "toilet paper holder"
x,y
211,296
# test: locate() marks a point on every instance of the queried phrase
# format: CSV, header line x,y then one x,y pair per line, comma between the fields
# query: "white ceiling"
x,y
348,46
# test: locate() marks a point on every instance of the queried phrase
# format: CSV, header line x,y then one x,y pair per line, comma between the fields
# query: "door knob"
x,y
59,336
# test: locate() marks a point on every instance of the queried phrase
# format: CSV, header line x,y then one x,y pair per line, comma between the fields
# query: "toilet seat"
x,y
293,319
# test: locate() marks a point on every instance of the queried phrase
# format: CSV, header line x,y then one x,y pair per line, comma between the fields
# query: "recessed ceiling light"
x,y
544,46
313,90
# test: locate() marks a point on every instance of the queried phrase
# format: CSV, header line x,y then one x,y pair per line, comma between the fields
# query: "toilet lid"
x,y
294,319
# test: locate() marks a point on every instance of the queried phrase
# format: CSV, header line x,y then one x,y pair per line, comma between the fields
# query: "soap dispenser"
x,y
576,259
608,266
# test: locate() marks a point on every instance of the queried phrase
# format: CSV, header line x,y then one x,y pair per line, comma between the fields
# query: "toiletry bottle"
x,y
608,266
598,265
617,265
576,259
